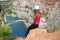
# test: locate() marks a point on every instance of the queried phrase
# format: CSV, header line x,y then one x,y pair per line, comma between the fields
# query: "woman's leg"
x,y
33,26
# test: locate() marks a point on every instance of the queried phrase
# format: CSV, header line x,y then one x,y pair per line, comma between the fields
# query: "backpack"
x,y
42,23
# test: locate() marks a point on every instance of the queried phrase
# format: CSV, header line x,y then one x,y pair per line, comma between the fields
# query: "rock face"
x,y
53,20
22,9
50,6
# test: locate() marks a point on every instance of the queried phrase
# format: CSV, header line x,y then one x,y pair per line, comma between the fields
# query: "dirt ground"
x,y
41,34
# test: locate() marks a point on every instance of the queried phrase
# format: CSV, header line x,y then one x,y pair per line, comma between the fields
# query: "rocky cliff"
x,y
24,9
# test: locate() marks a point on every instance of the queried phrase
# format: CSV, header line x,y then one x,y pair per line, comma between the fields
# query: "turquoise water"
x,y
18,28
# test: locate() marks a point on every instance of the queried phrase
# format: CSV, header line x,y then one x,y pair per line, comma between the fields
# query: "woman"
x,y
35,24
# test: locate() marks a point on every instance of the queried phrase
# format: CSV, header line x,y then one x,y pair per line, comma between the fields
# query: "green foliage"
x,y
4,7
49,31
55,28
9,11
46,15
28,7
26,20
5,30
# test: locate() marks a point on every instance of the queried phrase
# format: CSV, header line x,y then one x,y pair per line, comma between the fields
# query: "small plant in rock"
x,y
45,14
26,20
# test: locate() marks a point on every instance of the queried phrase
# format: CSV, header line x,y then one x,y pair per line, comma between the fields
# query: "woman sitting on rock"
x,y
35,24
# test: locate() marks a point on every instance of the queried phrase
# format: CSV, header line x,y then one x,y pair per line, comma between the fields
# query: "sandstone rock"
x,y
41,34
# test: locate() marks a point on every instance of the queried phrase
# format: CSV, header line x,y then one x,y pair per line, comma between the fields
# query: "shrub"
x,y
5,30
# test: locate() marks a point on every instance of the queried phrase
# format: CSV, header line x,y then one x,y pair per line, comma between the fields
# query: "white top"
x,y
42,23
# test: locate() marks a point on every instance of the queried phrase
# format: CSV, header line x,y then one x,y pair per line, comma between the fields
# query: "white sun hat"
x,y
36,7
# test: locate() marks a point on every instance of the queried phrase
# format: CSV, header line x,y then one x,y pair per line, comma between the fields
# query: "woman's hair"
x,y
36,10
